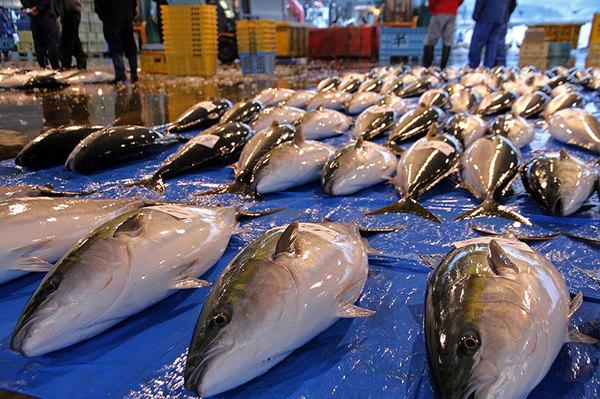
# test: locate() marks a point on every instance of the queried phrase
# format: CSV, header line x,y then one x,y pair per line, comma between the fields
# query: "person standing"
x,y
44,29
117,23
70,44
157,17
442,24
501,49
489,17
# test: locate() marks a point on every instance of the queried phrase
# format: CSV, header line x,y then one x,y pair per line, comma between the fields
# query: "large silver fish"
x,y
496,103
329,99
496,315
489,167
361,101
280,114
577,127
414,123
434,97
322,123
126,265
327,84
300,98
33,190
463,101
564,101
290,164
465,127
373,122
36,232
273,96
530,104
281,291
515,128
357,166
560,182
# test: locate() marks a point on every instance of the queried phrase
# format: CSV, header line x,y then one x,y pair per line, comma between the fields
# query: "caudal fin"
x,y
407,205
235,187
154,182
246,214
489,207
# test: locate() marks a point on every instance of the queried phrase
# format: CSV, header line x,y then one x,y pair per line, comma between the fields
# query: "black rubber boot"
x,y
427,56
82,63
445,56
133,68
120,73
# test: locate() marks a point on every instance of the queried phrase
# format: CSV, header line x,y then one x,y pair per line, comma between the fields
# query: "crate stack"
x,y
256,41
25,44
538,51
190,39
291,40
90,30
400,44
593,57
153,59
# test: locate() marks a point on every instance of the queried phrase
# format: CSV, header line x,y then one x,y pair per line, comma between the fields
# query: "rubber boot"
x,y
82,62
133,68
445,56
427,56
54,57
120,73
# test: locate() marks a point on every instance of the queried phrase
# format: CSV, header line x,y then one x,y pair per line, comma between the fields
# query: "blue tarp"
x,y
380,356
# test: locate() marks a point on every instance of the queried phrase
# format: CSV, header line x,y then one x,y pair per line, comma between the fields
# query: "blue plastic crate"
x,y
7,43
404,44
257,63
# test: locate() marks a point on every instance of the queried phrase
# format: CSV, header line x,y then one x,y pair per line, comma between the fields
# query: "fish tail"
x,y
246,214
154,182
489,207
407,205
235,187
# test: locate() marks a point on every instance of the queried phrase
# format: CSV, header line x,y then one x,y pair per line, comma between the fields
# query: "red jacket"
x,y
444,6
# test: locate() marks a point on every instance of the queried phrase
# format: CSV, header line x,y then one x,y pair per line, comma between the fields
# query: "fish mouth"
x,y
194,374
20,333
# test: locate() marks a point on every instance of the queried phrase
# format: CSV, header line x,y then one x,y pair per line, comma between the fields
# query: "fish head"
x,y
72,302
243,329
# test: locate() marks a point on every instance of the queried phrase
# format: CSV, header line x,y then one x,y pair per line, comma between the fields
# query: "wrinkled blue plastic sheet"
x,y
376,357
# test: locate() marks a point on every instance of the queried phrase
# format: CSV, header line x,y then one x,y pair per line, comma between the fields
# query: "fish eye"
x,y
50,286
219,320
469,343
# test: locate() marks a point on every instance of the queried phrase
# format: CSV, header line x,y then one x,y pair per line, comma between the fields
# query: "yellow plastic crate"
x,y
153,61
189,65
595,32
561,32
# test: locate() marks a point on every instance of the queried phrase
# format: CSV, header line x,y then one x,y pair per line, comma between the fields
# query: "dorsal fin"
x,y
359,142
132,226
288,242
499,259
298,136
432,130
564,154
274,124
320,108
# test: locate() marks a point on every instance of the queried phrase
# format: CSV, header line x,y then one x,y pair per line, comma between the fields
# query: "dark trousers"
x,y
119,36
44,29
484,34
501,49
70,45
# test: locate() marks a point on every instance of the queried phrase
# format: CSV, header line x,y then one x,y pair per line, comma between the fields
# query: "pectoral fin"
x,y
499,259
575,304
27,249
288,243
432,261
576,336
351,311
33,264
190,282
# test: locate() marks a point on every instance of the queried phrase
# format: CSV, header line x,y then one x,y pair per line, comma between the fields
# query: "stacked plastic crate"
x,y
291,39
90,30
593,57
190,38
538,51
398,44
256,41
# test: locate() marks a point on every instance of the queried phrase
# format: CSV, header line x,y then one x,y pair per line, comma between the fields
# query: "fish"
x,y
34,190
515,128
434,97
414,89
350,85
357,166
216,145
290,164
557,81
27,81
575,126
327,84
126,265
373,122
560,182
281,114
372,83
414,123
115,146
300,99
394,102
392,86
496,103
489,167
454,87
273,96
308,274
52,147
258,146
465,127
484,334
202,115
322,123
562,89
36,232
590,83
426,163
90,77
564,101
242,112
530,104
473,79
331,99
482,90
362,100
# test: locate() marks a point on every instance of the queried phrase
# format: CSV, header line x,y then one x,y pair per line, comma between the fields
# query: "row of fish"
x,y
481,327
13,78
